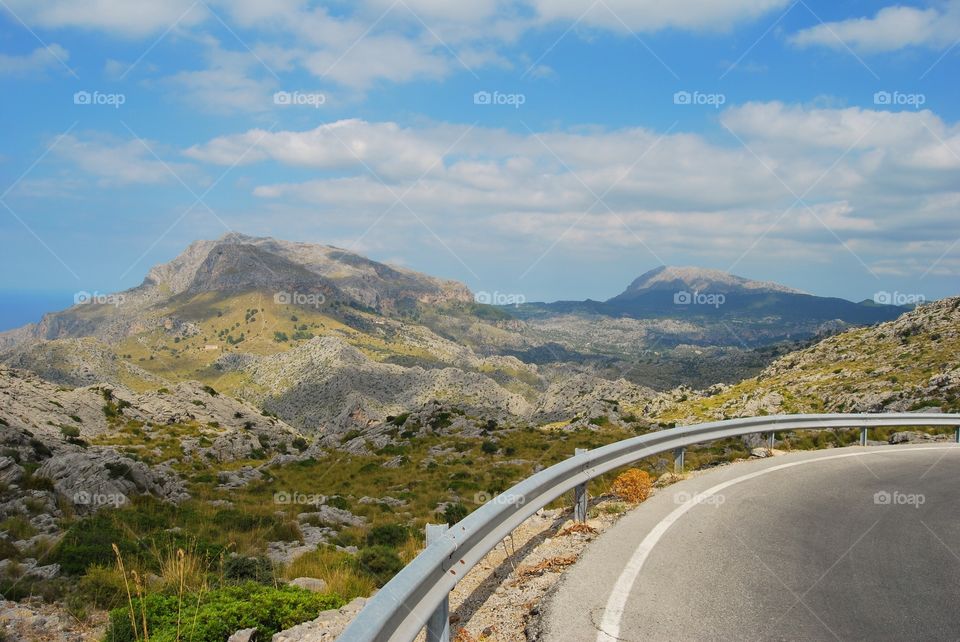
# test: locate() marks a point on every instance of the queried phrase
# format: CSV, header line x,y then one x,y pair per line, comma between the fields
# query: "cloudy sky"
x,y
549,148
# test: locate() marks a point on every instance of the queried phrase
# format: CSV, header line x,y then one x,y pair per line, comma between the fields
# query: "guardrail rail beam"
x,y
420,592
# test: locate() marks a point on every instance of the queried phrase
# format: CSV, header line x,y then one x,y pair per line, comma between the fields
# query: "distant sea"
x,y
18,307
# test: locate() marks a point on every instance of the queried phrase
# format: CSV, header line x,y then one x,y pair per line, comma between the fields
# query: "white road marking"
x,y
617,602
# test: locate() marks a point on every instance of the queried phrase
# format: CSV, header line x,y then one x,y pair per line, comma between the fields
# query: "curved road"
x,y
851,544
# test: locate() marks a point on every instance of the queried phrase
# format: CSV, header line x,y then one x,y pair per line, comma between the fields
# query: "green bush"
x,y
69,431
221,613
379,562
18,527
40,449
33,482
8,551
88,542
255,569
338,501
392,535
489,447
102,587
235,519
453,513
284,531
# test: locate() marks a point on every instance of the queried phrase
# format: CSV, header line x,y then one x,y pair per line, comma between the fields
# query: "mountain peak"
x,y
236,261
675,277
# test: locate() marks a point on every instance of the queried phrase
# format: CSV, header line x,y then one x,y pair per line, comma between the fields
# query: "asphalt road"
x,y
798,547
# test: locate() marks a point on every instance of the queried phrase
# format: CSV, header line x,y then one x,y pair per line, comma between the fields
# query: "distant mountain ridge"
x,y
673,278
686,292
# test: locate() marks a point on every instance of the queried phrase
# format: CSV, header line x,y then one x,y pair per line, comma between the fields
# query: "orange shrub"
x,y
632,485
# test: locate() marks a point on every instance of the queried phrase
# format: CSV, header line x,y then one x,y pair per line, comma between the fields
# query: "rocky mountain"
x,y
670,307
314,274
325,339
676,278
902,365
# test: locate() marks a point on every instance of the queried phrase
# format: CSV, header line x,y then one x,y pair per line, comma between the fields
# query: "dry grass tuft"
x,y
548,565
632,485
579,527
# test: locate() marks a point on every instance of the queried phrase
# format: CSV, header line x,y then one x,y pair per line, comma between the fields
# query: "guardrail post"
x,y
772,437
438,626
957,436
678,460
580,496
863,436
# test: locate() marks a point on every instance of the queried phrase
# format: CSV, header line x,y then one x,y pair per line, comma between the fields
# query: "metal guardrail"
x,y
402,608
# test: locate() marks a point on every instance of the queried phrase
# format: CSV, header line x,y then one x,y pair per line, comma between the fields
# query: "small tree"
x,y
633,485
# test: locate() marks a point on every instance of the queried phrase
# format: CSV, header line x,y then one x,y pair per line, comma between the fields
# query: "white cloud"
x,y
230,82
655,15
37,61
864,170
388,149
116,162
892,28
133,18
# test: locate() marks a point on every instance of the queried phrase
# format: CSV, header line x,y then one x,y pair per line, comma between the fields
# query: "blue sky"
x,y
812,143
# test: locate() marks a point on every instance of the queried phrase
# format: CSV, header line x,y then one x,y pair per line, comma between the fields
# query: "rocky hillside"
x,y
907,364
324,339
108,440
